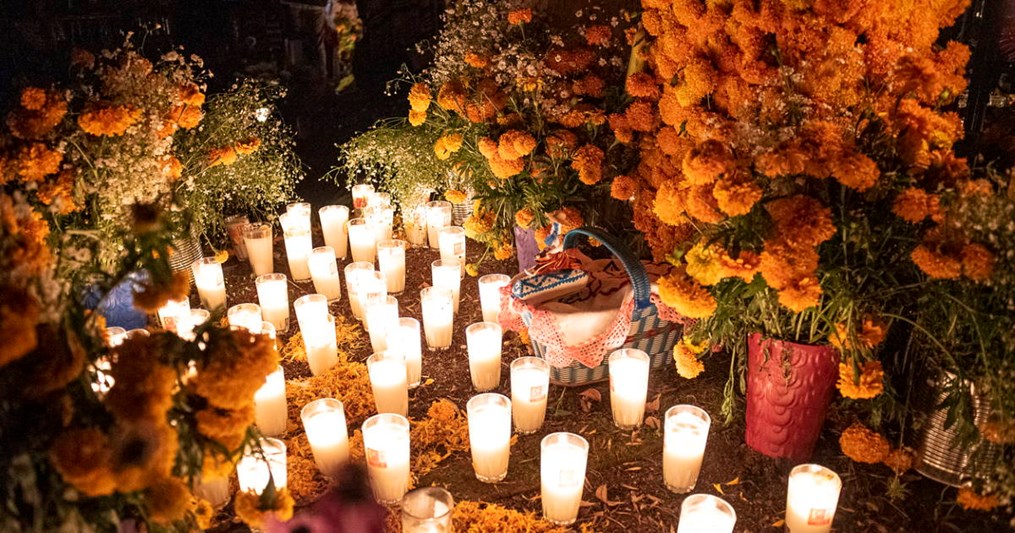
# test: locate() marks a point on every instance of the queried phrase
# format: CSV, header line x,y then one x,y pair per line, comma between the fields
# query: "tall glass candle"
x,y
438,316
489,295
490,435
298,244
391,261
684,438
261,463
354,274
407,341
427,510
628,387
362,240
234,228
360,194
324,422
811,499
447,274
386,443
372,285
438,215
267,328
381,219
387,379
246,316
414,223
381,315
175,315
317,327
530,384
270,413
562,461
324,272
214,490
452,246
258,240
273,295
333,222
300,213
379,199
704,513
484,343
211,284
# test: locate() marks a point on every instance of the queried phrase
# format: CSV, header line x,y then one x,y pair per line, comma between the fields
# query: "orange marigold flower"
x,y
670,205
598,35
487,147
706,162
451,96
699,80
447,145
109,121
624,188
914,205
872,332
503,250
36,161
59,193
191,95
476,60
185,116
863,445
642,85
221,156
700,204
417,118
41,118
479,223
969,500
900,460
685,355
419,97
515,144
559,143
855,170
33,98
455,196
83,459
934,263
168,500
247,146
686,296
255,510
150,295
737,194
869,384
568,217
588,161
804,218
519,16
590,85
524,217
505,168
802,293
977,262
640,116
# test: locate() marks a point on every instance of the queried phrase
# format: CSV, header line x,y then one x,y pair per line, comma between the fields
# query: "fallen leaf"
x,y
779,523
652,422
718,488
653,406
601,495
735,481
429,381
588,398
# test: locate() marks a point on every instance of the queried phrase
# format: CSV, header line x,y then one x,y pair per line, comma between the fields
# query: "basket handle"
x,y
635,270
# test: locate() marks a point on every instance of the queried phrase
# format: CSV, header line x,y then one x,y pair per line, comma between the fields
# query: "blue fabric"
x,y
117,306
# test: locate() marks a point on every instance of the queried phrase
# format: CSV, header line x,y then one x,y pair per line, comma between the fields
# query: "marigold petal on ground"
x,y
863,445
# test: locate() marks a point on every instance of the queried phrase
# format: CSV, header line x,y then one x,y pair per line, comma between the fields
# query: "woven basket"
x,y
648,332
186,250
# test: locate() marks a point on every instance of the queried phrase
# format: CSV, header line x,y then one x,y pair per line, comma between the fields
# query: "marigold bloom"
x,y
417,118
870,383
150,295
82,457
227,427
476,60
737,194
247,146
934,263
914,205
35,161
503,250
184,116
685,356
46,111
33,98
640,116
478,223
242,362
221,156
863,445
109,121
19,312
871,333
419,97
855,171
977,262
560,143
969,500
706,162
624,188
598,35
191,95
588,161
685,296
642,85
451,96
455,196
524,217
172,167
900,460
515,144
446,145
519,16
251,508
59,193
168,500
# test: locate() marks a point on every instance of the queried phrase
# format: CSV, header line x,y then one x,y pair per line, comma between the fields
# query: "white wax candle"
x,y
214,490
704,513
811,499
407,342
234,228
380,219
452,245
273,295
438,316
490,436
246,316
371,285
379,199
686,432
391,261
115,336
360,194
355,273
211,284
257,466
362,240
324,272
175,315
484,343
324,422
381,314
258,240
299,212
562,464
387,379
530,383
628,387
386,443
414,223
298,245
333,221
438,215
447,274
270,413
489,295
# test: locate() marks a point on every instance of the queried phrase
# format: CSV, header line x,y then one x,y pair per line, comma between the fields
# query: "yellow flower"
x,y
685,296
417,118
247,146
447,145
255,510
969,500
471,269
869,385
685,355
863,445
108,121
83,458
455,196
503,250
419,97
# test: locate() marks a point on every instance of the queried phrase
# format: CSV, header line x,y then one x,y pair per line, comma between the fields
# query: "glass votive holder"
x,y
362,240
211,283
427,510
452,246
174,316
414,224
684,437
562,461
258,241
267,328
360,194
438,215
324,272
115,336
199,317
270,412
266,460
333,222
379,199
530,385
391,262
704,513
447,274
628,387
300,212
273,295
234,228
388,381
407,342
324,422
381,219
489,295
386,443
247,316
381,316
812,497
311,312
355,274
321,344
438,316
298,245
483,340
372,285
490,435
137,332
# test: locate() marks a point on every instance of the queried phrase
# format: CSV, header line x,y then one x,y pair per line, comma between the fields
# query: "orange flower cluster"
x,y
709,264
868,335
520,16
679,291
790,257
40,112
35,161
110,121
863,445
686,356
455,196
869,384
447,145
588,161
255,510
969,500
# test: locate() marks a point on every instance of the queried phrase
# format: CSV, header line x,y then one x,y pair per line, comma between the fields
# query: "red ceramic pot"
x,y
789,387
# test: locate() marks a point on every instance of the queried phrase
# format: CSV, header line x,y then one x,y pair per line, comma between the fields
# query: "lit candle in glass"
x,y
381,219
489,295
258,240
175,315
270,413
300,212
273,295
562,461
438,316
355,274
372,285
362,240
388,381
324,272
246,316
386,443
407,342
267,328
686,431
381,317
261,463
324,422
234,228
360,194
333,221
452,246
530,384
811,499
214,490
379,199
211,284
391,261
317,327
438,215
197,318
447,274
628,387
427,510
704,513
414,223
115,336
298,244
490,435
484,343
